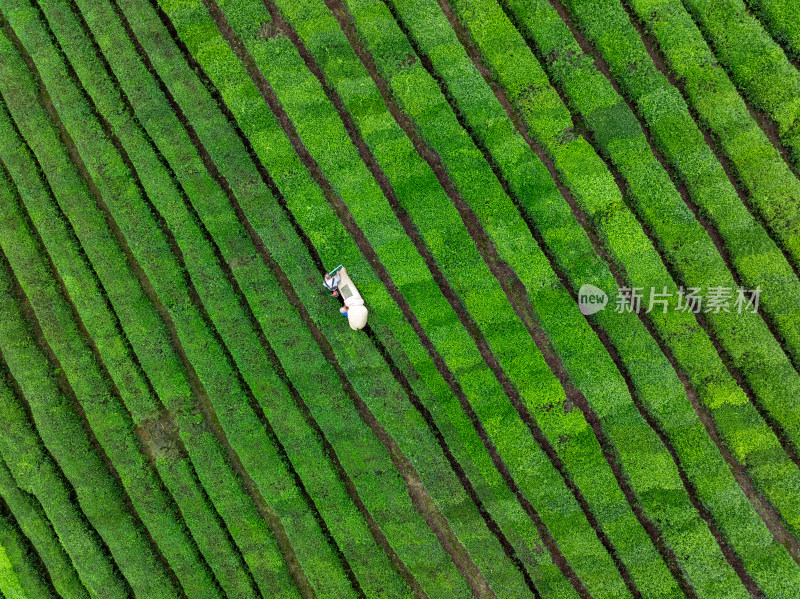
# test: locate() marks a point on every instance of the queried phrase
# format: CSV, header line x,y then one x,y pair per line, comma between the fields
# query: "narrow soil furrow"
x,y
501,271
792,55
105,372
618,273
651,45
517,295
345,22
711,228
462,476
197,301
223,107
383,182
765,122
211,167
770,129
769,514
679,280
31,554
65,388
420,497
199,392
175,439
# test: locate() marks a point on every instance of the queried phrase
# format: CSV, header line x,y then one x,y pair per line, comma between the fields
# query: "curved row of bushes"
x,y
85,506
35,525
114,181
772,188
573,70
756,64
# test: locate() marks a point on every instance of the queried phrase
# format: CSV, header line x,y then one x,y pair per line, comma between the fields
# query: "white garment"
x,y
333,282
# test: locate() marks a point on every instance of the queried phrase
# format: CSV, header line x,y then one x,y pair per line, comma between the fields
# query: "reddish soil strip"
x,y
204,402
422,500
275,361
768,126
66,389
770,515
245,306
287,29
652,46
165,419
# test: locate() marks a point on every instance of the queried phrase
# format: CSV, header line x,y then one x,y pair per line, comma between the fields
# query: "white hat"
x,y
357,316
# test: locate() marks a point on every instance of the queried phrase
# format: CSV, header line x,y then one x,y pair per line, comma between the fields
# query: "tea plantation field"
x,y
575,225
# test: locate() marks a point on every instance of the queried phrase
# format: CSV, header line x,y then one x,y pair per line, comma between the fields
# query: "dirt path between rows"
x,y
710,227
42,343
652,46
421,499
765,121
267,258
66,390
203,399
765,510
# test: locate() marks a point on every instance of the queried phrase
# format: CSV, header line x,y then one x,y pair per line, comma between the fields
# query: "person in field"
x,y
332,283
341,286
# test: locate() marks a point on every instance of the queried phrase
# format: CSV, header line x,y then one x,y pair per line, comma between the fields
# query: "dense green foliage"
x,y
183,412
756,63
